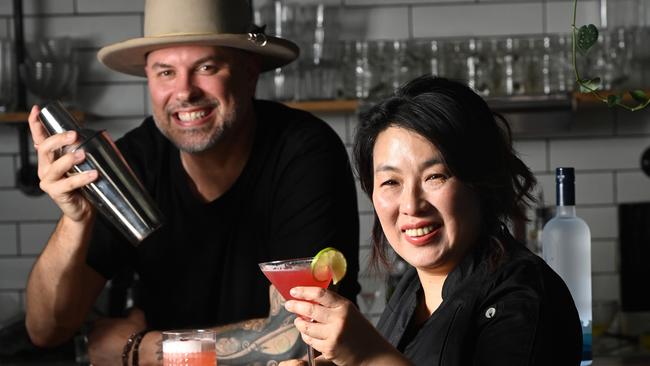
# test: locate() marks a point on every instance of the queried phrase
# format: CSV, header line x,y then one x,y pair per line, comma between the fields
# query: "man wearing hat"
x,y
239,181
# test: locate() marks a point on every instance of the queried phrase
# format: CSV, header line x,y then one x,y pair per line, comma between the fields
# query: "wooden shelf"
x,y
504,104
588,99
325,106
21,117
519,103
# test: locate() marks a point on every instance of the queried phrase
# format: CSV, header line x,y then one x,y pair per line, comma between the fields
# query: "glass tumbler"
x,y
197,347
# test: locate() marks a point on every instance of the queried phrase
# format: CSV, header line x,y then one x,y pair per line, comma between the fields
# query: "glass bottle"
x,y
566,247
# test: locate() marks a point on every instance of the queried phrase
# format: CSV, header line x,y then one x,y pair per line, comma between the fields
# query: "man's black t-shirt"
x,y
295,196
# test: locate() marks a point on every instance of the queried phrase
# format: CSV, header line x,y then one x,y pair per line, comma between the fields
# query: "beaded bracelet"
x,y
136,345
127,349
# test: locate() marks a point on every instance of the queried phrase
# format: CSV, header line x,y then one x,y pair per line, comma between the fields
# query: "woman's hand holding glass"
x,y
337,328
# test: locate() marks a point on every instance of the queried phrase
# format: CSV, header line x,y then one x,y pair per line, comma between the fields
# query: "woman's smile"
x,y
421,233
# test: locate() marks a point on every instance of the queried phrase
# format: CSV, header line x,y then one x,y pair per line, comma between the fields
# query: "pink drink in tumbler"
x,y
190,348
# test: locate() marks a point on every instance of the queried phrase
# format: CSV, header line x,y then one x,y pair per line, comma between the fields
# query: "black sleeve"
x,y
526,322
315,204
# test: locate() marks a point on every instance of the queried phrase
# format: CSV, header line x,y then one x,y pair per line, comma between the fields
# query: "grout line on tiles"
x,y
409,17
548,155
544,16
14,256
615,186
18,245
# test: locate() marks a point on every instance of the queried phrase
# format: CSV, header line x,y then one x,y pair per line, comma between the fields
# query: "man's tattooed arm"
x,y
254,341
258,341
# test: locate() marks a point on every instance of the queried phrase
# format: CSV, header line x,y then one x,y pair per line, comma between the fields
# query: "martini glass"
x,y
290,273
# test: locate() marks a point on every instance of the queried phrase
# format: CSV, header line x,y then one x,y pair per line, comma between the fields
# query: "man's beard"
x,y
196,145
200,138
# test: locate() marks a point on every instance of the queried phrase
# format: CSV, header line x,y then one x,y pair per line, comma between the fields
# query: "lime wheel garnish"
x,y
329,262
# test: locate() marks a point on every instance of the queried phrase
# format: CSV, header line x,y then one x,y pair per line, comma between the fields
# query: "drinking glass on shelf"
x,y
640,54
398,64
496,73
196,347
319,63
431,60
562,77
478,74
456,60
362,71
347,69
287,274
620,56
509,52
546,65
532,59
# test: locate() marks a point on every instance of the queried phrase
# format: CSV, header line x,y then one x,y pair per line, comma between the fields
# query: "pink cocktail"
x,y
189,348
290,273
204,358
285,275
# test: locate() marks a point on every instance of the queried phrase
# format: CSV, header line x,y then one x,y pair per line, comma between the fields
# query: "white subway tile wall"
x,y
632,187
375,23
603,145
34,236
604,256
8,139
87,30
32,7
8,236
14,271
4,28
621,153
114,99
477,19
91,70
114,6
7,165
605,287
10,306
18,207
559,14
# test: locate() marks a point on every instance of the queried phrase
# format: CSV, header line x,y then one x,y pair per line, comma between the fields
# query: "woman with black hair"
x,y
445,181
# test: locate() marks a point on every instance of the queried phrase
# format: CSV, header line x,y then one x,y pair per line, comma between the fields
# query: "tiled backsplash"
x,y
603,145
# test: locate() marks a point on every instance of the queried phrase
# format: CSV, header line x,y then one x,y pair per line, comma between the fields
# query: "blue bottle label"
x,y
586,345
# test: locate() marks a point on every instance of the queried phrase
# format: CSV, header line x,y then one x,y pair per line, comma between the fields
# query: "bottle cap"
x,y
565,186
565,175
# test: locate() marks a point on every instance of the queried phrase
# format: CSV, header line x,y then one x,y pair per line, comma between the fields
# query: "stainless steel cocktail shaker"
x,y
117,193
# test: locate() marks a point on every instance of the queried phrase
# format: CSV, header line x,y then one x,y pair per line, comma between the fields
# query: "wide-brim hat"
x,y
170,23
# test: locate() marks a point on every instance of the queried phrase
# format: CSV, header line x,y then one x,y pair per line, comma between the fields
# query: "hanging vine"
x,y
583,39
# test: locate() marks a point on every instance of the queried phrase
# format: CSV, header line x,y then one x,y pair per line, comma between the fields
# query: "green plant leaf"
x,y
589,85
639,95
613,100
587,37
